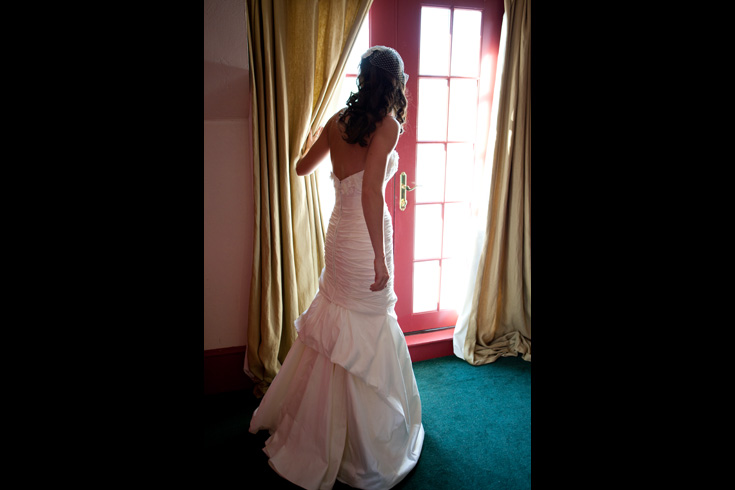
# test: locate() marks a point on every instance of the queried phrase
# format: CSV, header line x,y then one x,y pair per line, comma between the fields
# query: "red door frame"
x,y
404,36
383,32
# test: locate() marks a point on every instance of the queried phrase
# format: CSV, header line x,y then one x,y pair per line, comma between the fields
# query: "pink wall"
x,y
228,175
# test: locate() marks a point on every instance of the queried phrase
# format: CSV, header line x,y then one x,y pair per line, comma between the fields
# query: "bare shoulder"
x,y
387,132
332,126
335,117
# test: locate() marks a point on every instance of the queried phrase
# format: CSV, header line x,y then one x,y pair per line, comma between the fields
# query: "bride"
x,y
345,405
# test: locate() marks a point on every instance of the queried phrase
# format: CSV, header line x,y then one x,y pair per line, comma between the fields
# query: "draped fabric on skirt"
x,y
498,322
297,52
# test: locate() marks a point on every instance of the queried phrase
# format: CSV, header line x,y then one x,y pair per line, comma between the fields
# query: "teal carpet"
x,y
477,421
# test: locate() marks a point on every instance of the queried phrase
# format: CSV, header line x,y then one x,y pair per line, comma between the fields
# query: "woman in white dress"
x,y
345,405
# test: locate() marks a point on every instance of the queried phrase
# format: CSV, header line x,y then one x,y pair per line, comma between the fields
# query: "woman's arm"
x,y
382,144
315,150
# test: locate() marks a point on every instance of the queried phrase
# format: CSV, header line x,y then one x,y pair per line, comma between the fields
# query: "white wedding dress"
x,y
345,404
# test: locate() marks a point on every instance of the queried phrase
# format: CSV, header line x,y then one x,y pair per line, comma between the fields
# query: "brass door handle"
x,y
405,188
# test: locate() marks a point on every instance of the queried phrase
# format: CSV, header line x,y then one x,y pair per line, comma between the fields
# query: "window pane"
x,y
460,163
455,228
430,172
452,287
432,123
425,286
362,43
427,243
435,41
462,110
466,30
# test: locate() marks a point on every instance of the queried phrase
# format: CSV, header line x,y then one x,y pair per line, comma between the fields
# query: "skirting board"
x,y
430,345
223,370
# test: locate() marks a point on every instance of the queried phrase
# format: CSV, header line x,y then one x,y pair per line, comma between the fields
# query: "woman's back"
x,y
351,158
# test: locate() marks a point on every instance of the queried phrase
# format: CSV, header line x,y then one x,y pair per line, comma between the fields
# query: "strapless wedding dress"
x,y
345,404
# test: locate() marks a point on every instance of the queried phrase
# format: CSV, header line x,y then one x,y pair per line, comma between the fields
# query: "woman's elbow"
x,y
301,169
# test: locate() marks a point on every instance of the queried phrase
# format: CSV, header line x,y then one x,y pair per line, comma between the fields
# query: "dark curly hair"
x,y
377,94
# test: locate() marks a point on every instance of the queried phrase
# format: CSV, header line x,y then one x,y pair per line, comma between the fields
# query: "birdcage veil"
x,y
387,59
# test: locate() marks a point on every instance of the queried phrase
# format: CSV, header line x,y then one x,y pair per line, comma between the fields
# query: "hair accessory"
x,y
387,59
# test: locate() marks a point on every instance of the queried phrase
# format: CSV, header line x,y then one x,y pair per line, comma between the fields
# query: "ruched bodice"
x,y
348,250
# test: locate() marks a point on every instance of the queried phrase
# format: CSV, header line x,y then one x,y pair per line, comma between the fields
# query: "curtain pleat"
x,y
297,52
499,321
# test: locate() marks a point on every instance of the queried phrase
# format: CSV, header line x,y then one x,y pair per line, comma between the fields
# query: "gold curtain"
x,y
297,51
500,316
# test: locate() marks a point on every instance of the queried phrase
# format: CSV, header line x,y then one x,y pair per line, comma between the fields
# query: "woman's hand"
x,y
381,275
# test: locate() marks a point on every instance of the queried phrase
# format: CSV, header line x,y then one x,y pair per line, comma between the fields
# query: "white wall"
x,y
228,174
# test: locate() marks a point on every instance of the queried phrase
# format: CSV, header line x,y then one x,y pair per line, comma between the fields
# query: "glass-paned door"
x,y
446,49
